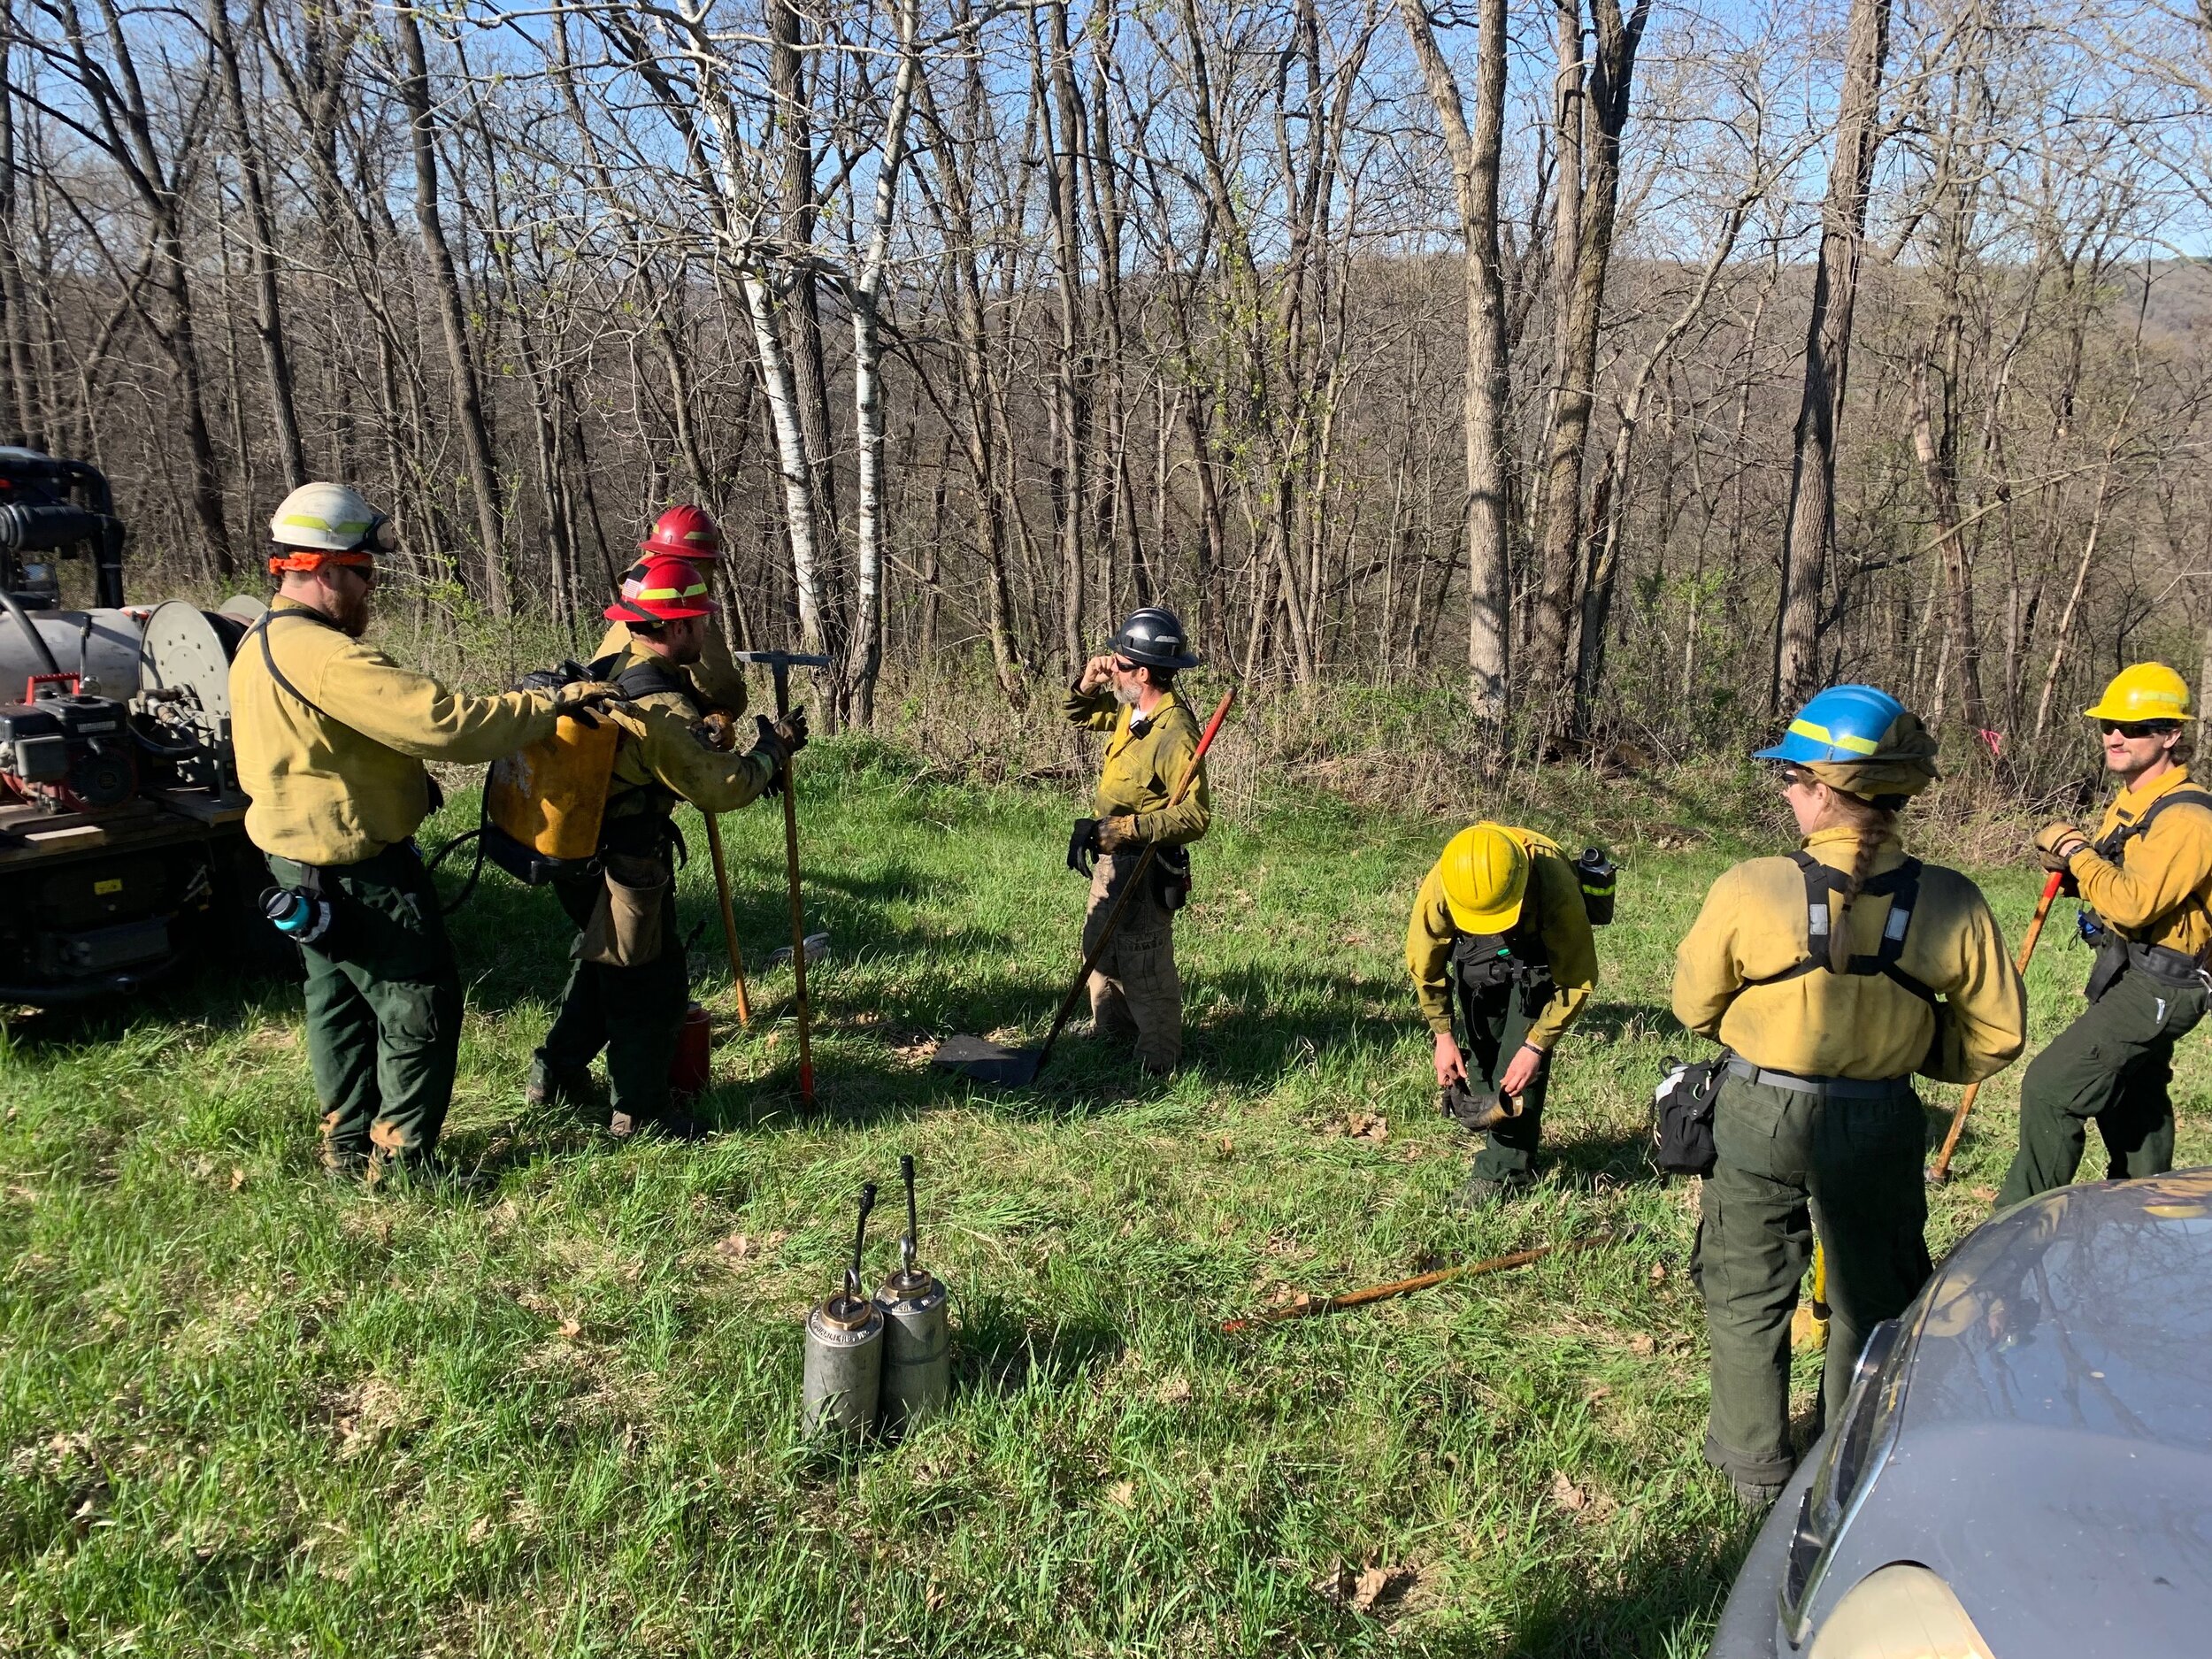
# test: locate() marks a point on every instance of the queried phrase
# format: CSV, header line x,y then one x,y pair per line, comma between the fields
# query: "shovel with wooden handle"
x,y
988,1061
1939,1171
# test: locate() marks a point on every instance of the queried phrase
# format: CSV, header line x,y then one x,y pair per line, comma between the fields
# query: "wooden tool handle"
x,y
1941,1170
1307,1307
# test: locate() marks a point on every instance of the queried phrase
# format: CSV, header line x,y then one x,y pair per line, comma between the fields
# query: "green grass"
x,y
555,1411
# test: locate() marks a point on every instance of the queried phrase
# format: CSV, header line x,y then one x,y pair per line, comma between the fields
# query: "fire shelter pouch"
x,y
627,926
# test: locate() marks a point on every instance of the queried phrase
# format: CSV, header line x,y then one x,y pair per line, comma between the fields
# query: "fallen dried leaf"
x,y
1566,1495
1122,1495
237,1178
1643,1346
1228,1148
740,1247
1174,1392
1371,1590
1415,1151
1367,1126
1658,1272
1988,1194
570,1330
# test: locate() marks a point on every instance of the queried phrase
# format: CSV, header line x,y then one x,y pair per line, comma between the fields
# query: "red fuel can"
x,y
691,1070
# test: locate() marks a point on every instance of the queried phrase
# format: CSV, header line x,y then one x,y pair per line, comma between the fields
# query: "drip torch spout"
x,y
910,1244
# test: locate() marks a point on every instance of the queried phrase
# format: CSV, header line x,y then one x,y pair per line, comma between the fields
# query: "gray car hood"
x,y
2053,1456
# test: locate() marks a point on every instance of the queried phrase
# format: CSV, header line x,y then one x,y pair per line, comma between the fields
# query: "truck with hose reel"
x,y
122,837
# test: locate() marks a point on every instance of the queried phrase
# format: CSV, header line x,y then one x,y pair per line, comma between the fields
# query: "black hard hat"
x,y
1153,638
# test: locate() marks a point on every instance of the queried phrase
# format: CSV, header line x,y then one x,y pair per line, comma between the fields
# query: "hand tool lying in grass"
x,y
1307,1305
1939,1171
781,663
988,1061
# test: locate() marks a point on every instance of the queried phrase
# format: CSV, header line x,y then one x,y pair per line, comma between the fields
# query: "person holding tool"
x,y
628,989
331,735
1500,916
1831,975
2147,882
1130,692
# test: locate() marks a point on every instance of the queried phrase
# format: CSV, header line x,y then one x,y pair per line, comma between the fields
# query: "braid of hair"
x,y
1875,825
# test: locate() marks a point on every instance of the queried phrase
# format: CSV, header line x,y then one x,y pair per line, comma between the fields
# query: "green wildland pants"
x,y
1496,1023
383,1008
1136,993
2113,1064
635,1013
1790,1163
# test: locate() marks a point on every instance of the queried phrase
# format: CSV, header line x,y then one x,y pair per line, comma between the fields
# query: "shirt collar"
x,y
1140,723
2132,801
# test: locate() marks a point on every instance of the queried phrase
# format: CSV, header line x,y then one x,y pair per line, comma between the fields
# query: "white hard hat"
x,y
333,518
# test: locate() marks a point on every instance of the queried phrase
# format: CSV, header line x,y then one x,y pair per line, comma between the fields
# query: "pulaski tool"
x,y
918,1330
781,664
1306,1307
988,1061
844,1351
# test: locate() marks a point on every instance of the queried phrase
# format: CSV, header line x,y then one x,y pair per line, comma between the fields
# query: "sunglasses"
x,y
1121,668
2132,729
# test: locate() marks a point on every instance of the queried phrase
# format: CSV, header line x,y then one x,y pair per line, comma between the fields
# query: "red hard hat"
x,y
669,591
684,532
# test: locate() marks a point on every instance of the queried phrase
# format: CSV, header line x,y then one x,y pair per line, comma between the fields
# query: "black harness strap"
x,y
2113,847
268,655
632,830
1900,887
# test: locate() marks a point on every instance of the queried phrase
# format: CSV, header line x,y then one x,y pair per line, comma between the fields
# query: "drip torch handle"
x,y
860,1230
906,1174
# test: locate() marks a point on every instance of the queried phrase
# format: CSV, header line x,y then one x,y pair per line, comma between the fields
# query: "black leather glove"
x,y
1083,847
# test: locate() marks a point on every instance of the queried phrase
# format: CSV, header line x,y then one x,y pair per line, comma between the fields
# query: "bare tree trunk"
x,y
268,310
27,423
1474,157
468,403
1809,530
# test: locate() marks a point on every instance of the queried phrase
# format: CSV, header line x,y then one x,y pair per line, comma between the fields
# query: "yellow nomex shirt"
x,y
716,672
1561,922
2156,893
1145,761
663,747
1837,1024
339,782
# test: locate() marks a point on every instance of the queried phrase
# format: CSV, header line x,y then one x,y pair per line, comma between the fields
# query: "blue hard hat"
x,y
1844,722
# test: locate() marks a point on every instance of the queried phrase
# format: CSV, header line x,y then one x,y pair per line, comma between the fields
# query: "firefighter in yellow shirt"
x,y
628,985
1500,920
330,736
1129,691
1831,976
2146,879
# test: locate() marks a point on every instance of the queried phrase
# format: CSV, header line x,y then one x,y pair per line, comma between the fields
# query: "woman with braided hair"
x,y
1831,975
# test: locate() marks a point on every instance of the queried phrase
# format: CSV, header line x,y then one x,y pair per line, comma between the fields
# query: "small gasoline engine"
x,y
65,750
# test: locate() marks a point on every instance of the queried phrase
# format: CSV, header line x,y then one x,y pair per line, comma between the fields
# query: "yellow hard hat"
x,y
2144,691
1485,874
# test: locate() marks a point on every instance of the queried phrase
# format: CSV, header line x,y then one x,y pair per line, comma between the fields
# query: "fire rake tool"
x,y
1305,1307
918,1330
1939,1171
781,663
988,1061
843,1373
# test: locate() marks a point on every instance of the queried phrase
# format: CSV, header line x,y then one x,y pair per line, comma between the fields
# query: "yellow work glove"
x,y
585,700
2057,843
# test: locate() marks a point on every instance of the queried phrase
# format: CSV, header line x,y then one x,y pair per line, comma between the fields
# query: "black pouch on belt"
x,y
1682,1115
1171,877
1083,847
2112,961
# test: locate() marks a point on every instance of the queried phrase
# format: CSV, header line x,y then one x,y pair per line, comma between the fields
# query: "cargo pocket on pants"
x,y
626,928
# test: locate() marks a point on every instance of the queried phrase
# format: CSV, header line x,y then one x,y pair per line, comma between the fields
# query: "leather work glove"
x,y
583,701
2056,842
718,731
1118,834
780,741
